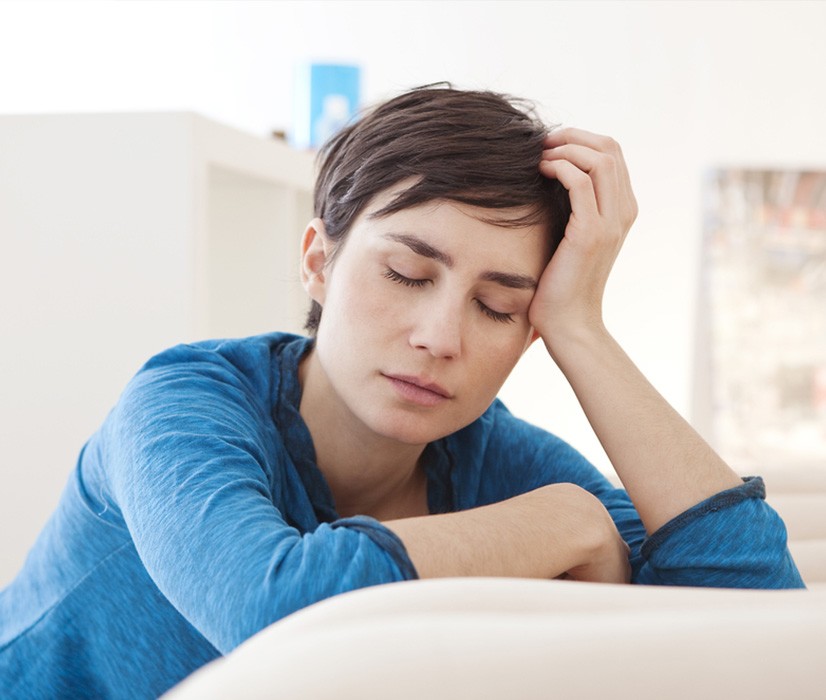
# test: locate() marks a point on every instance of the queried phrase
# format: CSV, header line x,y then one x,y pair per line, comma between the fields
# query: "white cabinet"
x,y
123,234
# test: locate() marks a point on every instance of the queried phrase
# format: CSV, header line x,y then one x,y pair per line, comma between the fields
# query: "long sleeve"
x,y
733,539
196,468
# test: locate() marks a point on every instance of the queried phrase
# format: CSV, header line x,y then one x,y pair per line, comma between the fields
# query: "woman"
x,y
238,481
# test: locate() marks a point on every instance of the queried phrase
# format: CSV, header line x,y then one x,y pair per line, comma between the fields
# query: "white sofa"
x,y
516,638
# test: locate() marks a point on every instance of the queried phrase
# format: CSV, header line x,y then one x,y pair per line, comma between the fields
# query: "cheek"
x,y
496,356
507,358
365,302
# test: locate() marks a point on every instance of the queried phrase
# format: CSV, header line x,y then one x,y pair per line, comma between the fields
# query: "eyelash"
x,y
498,316
494,315
391,274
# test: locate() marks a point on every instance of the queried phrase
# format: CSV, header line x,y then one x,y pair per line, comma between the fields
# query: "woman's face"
x,y
425,313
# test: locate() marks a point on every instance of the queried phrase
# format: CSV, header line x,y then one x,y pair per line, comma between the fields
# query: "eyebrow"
x,y
418,246
508,279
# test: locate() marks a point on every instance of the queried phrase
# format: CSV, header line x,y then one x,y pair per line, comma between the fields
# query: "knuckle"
x,y
608,143
581,179
607,161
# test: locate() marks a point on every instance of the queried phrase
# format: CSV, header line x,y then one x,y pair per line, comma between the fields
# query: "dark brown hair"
x,y
474,147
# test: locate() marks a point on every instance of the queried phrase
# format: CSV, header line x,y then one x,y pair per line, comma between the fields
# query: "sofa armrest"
x,y
517,638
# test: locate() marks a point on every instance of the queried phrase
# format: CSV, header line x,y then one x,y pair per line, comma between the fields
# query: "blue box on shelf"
x,y
326,98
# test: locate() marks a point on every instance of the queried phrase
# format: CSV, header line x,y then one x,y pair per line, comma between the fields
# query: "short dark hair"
x,y
475,147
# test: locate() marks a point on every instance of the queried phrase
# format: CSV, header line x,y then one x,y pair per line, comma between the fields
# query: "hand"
x,y
592,169
606,559
584,543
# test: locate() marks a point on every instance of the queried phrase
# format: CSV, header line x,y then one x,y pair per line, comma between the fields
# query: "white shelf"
x,y
124,234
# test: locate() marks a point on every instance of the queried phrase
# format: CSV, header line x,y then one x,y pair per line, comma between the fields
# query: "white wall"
x,y
683,86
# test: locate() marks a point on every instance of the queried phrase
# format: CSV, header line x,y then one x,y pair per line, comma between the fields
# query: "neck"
x,y
368,474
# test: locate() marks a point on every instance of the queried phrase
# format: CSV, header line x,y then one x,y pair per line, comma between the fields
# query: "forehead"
x,y
473,237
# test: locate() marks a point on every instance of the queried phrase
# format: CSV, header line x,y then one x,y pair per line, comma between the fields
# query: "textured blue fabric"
x,y
196,516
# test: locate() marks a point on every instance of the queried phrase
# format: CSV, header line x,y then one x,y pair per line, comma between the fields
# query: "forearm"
x,y
540,534
665,466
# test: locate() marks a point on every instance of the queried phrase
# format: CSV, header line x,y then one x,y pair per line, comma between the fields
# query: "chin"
x,y
411,429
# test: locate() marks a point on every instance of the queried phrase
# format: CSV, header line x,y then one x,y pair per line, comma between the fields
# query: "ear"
x,y
531,338
315,247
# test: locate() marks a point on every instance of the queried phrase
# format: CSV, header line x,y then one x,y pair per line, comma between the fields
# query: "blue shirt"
x,y
196,516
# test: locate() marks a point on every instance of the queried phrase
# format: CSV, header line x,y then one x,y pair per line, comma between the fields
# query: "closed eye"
x,y
391,274
495,315
499,316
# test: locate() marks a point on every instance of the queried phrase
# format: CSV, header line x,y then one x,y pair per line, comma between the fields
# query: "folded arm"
x,y
555,530
196,467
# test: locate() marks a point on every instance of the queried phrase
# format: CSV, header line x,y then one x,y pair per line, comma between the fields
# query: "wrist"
x,y
572,338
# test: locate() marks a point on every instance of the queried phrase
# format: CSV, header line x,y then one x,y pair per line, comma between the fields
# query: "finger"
x,y
578,183
601,167
599,142
603,144
626,191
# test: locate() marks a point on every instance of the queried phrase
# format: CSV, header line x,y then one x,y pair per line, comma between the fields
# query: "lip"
x,y
418,390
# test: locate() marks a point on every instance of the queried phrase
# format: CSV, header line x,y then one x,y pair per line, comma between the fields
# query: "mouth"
x,y
418,390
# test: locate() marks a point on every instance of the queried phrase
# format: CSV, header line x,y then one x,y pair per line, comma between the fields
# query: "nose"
x,y
438,328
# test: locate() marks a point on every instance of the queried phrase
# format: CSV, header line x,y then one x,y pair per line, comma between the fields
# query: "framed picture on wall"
x,y
761,393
